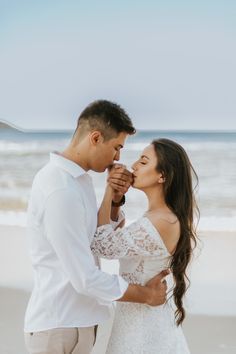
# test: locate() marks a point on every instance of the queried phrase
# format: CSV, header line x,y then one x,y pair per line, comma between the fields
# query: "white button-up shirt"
x,y
69,288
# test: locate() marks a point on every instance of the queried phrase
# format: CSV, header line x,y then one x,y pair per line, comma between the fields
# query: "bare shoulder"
x,y
168,227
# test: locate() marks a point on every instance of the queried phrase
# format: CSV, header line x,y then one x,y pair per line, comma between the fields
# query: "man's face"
x,y
107,152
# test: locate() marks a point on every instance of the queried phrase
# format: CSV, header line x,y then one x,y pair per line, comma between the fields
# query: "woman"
x,y
163,237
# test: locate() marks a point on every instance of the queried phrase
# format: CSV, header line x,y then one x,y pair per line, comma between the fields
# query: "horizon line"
x,y
63,130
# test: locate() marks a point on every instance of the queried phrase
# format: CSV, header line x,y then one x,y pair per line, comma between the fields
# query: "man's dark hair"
x,y
107,117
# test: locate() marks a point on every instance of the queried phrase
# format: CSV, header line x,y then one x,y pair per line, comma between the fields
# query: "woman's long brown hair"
x,y
174,164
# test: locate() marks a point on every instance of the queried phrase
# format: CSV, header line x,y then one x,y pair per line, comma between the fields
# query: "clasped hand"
x,y
120,179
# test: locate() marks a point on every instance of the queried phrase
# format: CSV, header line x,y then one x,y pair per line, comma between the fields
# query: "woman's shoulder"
x,y
168,227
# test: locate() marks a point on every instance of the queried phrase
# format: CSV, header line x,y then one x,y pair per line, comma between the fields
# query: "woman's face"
x,y
144,170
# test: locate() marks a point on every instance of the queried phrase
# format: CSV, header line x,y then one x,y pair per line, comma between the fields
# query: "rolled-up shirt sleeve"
x,y
65,228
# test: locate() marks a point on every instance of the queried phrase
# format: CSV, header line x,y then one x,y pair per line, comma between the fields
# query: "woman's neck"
x,y
156,200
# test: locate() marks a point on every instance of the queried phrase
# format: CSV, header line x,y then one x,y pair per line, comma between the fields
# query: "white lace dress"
x,y
138,328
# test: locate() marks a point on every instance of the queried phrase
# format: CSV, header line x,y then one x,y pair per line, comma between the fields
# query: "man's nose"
x,y
117,156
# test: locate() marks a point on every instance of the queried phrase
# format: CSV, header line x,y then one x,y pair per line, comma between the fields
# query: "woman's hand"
x,y
119,179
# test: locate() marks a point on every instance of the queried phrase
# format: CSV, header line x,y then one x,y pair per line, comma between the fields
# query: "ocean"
x,y
213,155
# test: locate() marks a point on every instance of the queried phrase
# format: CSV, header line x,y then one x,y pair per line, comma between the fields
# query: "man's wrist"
x,y
136,293
119,203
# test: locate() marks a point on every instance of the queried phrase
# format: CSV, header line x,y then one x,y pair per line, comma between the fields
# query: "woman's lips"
x,y
133,179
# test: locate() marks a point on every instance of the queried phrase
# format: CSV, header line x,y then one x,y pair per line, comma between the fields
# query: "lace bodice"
x,y
139,248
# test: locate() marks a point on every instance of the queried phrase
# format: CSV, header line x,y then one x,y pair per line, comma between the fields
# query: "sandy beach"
x,y
205,334
211,301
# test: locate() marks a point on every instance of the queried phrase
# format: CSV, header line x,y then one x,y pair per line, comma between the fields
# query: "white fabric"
x,y
69,288
142,254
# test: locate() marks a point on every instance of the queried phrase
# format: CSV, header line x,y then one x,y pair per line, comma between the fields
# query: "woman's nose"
x,y
133,166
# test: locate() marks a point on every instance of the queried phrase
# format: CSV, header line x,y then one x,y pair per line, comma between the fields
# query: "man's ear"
x,y
96,137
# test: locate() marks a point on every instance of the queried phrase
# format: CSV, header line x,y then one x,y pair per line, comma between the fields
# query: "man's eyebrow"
x,y
144,156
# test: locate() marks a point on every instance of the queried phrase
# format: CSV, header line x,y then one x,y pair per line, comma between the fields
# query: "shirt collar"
x,y
70,166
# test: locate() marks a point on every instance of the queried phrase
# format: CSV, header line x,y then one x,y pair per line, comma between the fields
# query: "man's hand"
x,y
158,289
152,294
120,179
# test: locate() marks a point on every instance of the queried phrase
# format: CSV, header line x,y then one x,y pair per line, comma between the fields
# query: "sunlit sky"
x,y
170,64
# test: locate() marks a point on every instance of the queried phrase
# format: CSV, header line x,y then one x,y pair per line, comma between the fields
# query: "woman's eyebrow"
x,y
144,156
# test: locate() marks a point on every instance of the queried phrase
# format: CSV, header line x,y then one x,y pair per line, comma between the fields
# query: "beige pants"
x,y
61,341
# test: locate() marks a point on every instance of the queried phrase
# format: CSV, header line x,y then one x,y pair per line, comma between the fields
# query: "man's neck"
x,y
76,157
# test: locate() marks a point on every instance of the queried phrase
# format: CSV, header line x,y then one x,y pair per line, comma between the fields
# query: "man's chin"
x,y
102,169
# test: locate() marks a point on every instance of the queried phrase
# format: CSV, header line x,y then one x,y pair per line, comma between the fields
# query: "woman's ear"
x,y
161,178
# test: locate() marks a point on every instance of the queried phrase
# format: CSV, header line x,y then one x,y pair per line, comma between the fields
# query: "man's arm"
x,y
65,228
153,293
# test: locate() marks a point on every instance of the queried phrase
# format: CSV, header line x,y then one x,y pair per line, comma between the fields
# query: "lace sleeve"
x,y
138,239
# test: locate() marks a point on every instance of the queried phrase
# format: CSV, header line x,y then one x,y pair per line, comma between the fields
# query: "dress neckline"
x,y
156,233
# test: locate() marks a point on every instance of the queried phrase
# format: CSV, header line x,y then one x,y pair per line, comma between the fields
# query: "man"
x,y
71,294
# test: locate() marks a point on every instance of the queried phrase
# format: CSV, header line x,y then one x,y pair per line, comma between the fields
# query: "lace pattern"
x,y
140,329
138,239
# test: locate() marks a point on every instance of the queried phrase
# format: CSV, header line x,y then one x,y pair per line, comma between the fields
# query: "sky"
x,y
170,64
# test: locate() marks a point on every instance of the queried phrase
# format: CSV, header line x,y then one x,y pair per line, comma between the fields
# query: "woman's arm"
x,y
138,239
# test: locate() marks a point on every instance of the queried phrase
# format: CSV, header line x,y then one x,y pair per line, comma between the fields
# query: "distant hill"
x,y
5,126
